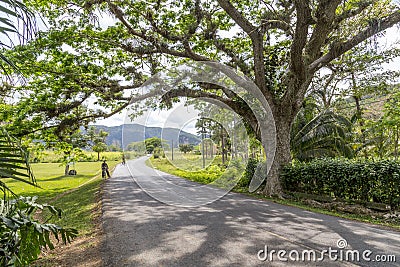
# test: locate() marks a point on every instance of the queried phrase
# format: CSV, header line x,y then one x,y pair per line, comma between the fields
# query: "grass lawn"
x,y
78,204
51,156
189,169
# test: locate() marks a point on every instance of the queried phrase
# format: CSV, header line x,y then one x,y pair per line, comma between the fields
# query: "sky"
x,y
179,116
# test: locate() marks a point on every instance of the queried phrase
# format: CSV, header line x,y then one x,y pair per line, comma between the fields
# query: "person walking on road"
x,y
104,170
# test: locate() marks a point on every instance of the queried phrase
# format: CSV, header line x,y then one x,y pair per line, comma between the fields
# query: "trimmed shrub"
x,y
354,180
249,171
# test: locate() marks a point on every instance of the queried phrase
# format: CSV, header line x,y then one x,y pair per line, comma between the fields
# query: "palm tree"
x,y
325,135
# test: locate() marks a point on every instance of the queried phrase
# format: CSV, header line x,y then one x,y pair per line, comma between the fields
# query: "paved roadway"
x,y
142,231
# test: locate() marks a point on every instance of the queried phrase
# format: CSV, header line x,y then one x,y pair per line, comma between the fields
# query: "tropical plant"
x,y
22,237
325,135
14,163
14,14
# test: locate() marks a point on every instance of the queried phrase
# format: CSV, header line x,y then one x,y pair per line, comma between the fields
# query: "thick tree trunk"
x,y
282,157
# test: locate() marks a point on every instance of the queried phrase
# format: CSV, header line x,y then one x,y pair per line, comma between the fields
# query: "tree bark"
x,y
66,169
282,157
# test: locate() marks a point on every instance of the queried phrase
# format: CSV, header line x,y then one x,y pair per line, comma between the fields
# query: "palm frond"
x,y
325,135
14,162
16,22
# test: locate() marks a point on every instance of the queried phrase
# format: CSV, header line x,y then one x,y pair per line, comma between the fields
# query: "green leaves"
x,y
13,14
327,134
22,237
352,180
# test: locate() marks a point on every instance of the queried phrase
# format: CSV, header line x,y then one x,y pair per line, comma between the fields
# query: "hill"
x,y
129,133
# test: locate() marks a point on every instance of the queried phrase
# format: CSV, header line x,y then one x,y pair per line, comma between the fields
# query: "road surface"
x,y
235,230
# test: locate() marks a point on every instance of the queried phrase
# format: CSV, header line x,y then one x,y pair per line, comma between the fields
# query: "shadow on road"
x,y
140,231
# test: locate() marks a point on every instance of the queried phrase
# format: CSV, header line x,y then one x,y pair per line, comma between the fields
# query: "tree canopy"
x,y
82,63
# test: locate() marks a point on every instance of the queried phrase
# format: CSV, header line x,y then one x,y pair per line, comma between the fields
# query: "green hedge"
x,y
354,180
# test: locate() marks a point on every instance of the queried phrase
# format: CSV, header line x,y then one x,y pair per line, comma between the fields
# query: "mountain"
x,y
129,133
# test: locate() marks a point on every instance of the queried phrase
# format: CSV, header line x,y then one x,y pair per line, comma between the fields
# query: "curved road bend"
x,y
141,231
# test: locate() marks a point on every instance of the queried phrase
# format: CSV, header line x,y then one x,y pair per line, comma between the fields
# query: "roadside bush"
x,y
158,152
354,180
251,167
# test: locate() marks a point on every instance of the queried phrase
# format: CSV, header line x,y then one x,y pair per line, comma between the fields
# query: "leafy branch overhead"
x,y
243,35
97,54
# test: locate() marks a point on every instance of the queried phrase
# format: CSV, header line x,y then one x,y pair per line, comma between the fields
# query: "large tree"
x,y
279,45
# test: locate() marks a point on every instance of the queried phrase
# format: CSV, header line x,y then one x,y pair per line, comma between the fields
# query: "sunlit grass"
x,y
185,168
74,194
52,181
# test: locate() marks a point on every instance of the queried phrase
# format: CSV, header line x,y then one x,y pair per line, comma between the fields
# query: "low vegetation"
x,y
364,181
72,200
340,191
190,169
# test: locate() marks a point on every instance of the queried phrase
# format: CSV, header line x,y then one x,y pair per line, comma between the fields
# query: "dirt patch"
x,y
83,251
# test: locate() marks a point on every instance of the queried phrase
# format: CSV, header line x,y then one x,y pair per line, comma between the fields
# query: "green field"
x,y
75,195
189,166
49,156
52,181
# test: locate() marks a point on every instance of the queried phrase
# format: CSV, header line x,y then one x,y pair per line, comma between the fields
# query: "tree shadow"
x,y
140,231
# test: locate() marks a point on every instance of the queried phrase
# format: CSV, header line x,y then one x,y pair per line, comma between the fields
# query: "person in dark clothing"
x,y
104,170
123,159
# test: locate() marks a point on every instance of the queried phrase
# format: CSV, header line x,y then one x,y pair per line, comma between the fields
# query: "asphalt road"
x,y
234,230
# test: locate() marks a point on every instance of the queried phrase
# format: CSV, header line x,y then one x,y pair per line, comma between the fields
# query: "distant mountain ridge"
x,y
128,133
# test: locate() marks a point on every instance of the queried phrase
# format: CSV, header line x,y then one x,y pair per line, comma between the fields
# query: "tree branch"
x,y
338,49
238,104
325,17
159,46
300,38
246,25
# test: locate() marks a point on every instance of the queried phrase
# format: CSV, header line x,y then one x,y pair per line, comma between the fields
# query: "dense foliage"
x,y
96,55
354,180
22,237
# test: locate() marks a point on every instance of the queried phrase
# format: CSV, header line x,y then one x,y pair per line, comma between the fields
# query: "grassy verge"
x,y
186,170
75,195
202,177
350,216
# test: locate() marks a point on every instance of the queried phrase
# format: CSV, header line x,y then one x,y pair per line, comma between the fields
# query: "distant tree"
x,y
382,135
153,143
97,140
391,119
137,147
115,146
70,154
185,148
